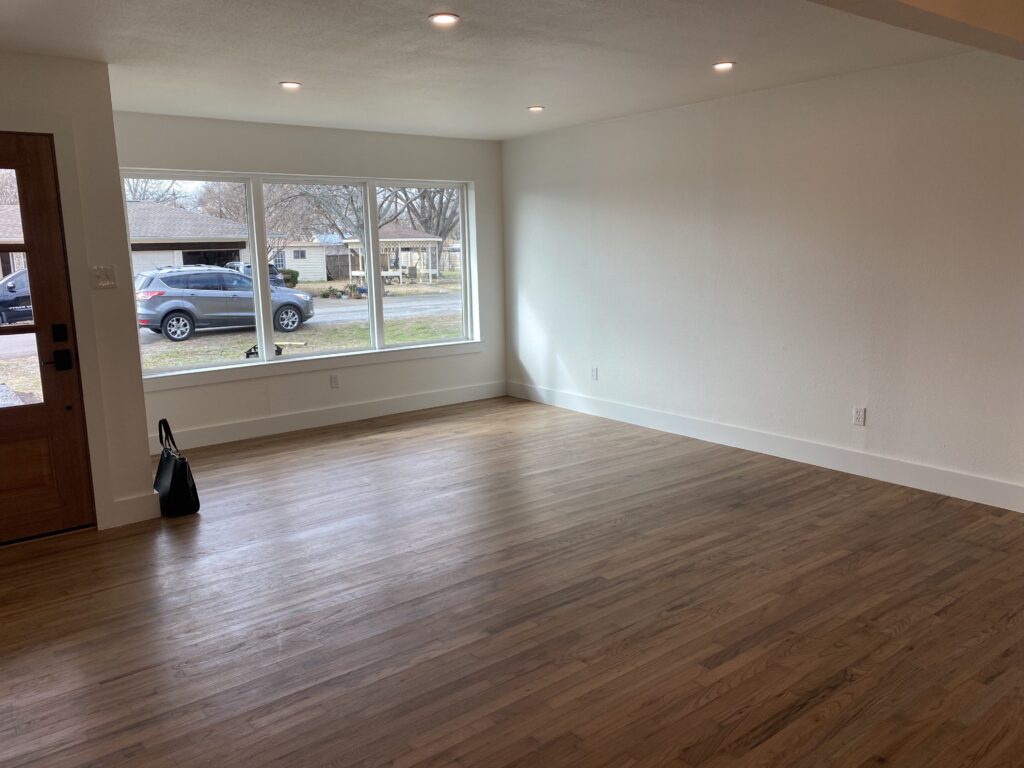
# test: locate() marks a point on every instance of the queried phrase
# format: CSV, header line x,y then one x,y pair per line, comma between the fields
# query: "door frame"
x,y
122,480
76,387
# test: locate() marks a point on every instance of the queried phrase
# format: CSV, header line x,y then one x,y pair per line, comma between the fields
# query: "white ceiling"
x,y
379,65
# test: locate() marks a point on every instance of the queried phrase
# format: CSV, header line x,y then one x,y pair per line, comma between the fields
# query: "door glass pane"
x,y
10,212
20,382
187,237
420,255
15,297
15,293
315,245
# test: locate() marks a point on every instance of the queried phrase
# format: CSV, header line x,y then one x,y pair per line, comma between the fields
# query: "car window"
x,y
204,281
236,283
174,281
141,281
273,269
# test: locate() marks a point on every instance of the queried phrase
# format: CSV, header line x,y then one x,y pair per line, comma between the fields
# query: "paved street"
x,y
336,311
342,310
327,311
22,345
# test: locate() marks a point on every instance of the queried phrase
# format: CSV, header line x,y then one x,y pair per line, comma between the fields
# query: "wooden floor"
x,y
502,584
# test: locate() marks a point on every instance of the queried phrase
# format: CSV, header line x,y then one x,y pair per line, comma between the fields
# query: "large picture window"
x,y
337,276
419,245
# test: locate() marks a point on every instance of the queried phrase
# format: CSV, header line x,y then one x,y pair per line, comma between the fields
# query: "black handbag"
x,y
174,482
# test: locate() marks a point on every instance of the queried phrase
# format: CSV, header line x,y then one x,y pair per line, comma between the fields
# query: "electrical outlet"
x,y
334,381
593,374
860,417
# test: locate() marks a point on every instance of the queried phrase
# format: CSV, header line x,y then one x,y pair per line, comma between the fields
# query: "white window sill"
x,y
162,382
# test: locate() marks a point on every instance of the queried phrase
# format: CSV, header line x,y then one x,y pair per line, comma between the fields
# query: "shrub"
x,y
291,277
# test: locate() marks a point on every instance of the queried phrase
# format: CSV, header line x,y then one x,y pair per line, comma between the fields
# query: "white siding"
x,y
145,260
313,267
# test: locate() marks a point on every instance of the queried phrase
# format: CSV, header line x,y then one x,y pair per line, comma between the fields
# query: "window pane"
x,y
20,382
9,196
315,234
204,281
236,283
15,297
187,237
420,255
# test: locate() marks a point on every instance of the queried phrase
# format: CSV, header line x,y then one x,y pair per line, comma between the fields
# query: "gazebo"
x,y
405,253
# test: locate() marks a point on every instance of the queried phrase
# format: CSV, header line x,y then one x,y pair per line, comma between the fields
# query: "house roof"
x,y
149,223
396,233
158,222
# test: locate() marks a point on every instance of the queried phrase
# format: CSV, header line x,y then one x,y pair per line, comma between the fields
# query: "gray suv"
x,y
276,278
175,301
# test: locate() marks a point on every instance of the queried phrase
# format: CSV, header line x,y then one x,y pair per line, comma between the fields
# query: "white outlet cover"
x,y
103,276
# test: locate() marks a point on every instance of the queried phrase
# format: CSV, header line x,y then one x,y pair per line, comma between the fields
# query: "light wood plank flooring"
x,y
506,584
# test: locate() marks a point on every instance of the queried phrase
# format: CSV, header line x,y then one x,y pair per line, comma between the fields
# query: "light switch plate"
x,y
103,276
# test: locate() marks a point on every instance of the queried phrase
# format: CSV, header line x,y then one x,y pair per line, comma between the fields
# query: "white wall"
x,y
71,100
231,410
748,270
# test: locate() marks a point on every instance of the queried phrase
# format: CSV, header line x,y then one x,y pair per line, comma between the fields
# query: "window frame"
x,y
379,351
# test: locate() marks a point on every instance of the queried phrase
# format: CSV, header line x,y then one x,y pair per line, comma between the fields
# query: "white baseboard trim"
x,y
130,509
984,490
214,434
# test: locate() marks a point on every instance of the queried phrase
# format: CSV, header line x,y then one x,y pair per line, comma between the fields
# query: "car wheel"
x,y
178,326
287,319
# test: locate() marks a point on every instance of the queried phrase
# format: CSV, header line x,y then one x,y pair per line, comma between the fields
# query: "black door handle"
x,y
62,360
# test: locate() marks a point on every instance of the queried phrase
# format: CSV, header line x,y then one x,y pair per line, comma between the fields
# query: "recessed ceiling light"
x,y
290,85
535,108
724,66
444,19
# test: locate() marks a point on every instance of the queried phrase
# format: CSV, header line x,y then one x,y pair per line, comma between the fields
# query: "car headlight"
x,y
305,296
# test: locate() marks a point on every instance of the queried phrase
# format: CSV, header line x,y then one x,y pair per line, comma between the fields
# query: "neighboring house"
x,y
307,258
10,234
405,254
162,235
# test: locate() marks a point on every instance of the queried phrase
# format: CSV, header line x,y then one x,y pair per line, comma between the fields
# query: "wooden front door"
x,y
45,484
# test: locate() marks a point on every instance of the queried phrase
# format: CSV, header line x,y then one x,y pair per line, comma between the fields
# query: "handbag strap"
x,y
166,437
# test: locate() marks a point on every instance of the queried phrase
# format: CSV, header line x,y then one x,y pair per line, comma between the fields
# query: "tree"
x,y
435,210
225,200
8,187
168,191
308,212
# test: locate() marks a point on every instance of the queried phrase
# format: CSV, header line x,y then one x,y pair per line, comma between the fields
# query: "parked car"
x,y
15,299
276,278
175,301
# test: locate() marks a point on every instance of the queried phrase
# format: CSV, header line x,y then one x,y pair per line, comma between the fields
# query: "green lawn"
x,y
22,375
223,347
